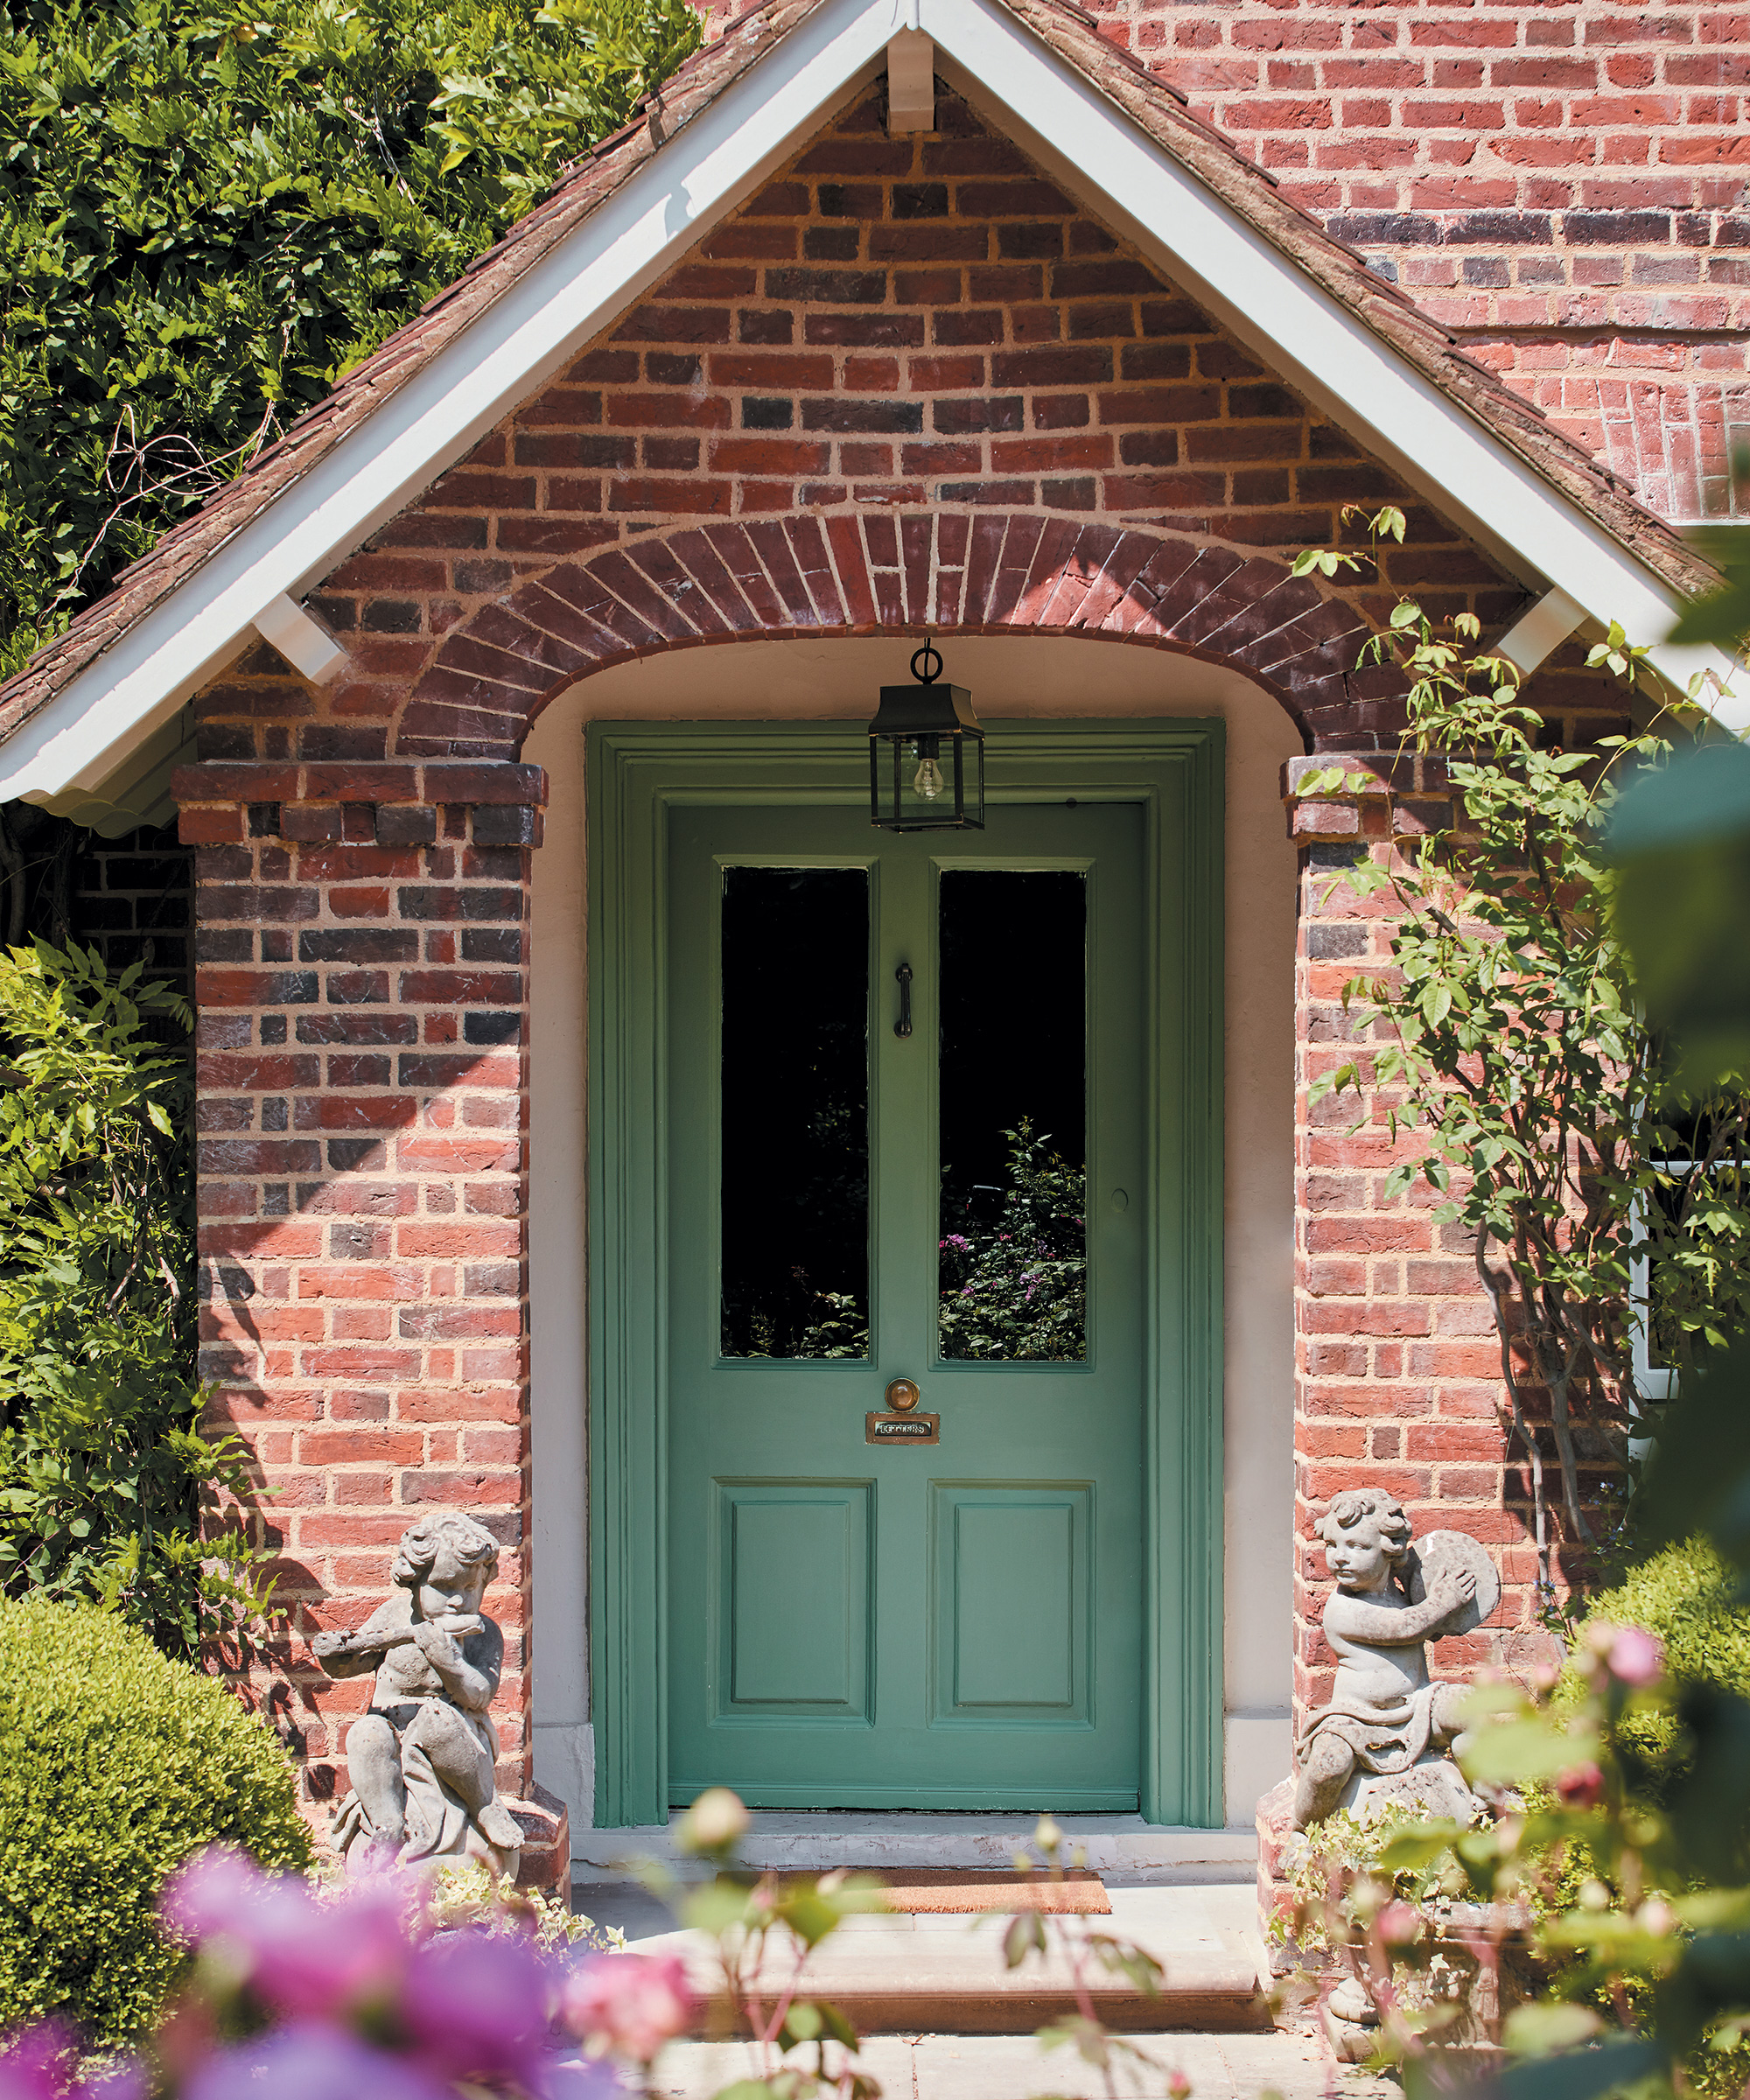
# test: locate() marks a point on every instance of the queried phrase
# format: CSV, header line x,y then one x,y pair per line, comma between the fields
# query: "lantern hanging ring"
x,y
928,651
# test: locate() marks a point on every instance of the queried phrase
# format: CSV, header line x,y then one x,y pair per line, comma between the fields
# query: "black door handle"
x,y
903,974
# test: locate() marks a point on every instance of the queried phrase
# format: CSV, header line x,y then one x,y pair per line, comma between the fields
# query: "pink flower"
x,y
1580,1787
629,2003
1636,1657
477,2008
311,2061
1398,1924
304,1959
1178,2086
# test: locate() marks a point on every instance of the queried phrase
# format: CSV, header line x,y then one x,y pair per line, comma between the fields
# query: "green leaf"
x,y
1541,2030
1583,2074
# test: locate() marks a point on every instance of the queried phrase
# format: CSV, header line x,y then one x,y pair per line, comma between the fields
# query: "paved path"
x,y
1179,1923
1012,2067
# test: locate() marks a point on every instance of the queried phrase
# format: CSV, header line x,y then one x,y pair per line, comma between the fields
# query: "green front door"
x,y
946,1623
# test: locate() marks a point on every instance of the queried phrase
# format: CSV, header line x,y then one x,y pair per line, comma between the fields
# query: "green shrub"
x,y
118,1762
1684,1596
102,1465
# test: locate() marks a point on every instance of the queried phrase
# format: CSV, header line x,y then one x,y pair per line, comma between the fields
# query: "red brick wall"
x,y
891,327
1561,182
362,1156
1397,1358
907,366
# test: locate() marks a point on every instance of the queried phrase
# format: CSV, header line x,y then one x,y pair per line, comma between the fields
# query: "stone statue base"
x,y
541,1864
1433,1786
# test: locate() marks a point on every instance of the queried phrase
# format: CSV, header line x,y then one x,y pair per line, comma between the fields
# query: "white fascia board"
x,y
703,173
1315,342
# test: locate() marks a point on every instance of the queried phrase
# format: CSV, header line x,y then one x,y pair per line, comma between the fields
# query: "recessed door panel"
x,y
792,1599
1011,1576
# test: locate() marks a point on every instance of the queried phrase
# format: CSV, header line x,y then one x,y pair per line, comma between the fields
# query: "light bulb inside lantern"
x,y
927,781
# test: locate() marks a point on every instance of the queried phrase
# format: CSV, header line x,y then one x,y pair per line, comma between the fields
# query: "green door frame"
x,y
636,773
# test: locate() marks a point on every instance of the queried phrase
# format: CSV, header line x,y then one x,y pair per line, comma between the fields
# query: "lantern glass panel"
x,y
928,783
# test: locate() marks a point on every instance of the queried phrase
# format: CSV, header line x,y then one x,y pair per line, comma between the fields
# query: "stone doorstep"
x,y
941,1973
814,1840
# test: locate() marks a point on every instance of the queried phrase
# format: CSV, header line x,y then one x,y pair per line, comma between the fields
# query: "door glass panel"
x,y
1012,1264
795,1112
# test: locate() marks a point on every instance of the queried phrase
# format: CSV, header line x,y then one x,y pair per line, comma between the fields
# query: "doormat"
x,y
1081,1893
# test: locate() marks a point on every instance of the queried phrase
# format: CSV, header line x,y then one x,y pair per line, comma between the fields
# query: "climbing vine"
x,y
1607,1210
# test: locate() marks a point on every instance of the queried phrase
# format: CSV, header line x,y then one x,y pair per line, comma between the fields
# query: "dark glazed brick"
x,y
755,327
849,200
347,1155
919,200
863,416
264,820
273,1027
358,944
491,944
1327,943
1507,229
672,368
832,243
759,414
1606,229
982,412
1024,242
833,287
406,825
391,616
330,740
486,1028
506,826
1362,229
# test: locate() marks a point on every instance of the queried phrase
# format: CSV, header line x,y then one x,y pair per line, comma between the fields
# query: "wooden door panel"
x,y
1011,1591
792,1601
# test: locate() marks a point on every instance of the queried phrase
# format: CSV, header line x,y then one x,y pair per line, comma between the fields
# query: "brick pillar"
x,y
1397,1369
362,1109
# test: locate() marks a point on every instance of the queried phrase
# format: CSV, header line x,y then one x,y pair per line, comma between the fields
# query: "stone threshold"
x,y
816,1839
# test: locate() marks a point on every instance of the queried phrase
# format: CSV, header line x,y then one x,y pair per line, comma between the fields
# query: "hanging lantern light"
x,y
925,754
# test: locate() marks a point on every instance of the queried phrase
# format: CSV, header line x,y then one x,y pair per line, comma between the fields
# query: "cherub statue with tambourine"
x,y
1390,1729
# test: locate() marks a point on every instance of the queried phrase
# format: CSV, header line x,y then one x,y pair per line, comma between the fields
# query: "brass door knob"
x,y
903,1395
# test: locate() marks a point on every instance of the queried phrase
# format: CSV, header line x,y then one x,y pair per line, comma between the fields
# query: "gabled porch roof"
x,y
73,723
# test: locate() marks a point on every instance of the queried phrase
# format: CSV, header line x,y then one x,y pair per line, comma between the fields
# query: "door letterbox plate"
x,y
901,1428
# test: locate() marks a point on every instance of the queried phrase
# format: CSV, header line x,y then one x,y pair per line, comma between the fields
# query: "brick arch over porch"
x,y
859,574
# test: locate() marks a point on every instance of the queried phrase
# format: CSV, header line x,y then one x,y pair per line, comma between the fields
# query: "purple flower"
x,y
960,1244
37,2063
304,1959
311,2061
1636,1657
478,2008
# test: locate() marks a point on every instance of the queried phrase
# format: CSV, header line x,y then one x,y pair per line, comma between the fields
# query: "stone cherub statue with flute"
x,y
1389,1730
422,1758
